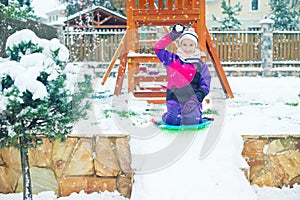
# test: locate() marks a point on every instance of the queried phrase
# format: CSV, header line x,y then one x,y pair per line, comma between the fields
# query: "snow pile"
x,y
30,56
74,196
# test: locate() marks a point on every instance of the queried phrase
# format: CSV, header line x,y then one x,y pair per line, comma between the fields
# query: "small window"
x,y
254,5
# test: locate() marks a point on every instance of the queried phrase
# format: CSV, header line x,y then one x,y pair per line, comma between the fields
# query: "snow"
x,y
169,166
266,21
25,72
259,107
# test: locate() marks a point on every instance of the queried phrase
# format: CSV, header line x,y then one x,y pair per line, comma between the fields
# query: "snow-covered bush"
x,y
37,95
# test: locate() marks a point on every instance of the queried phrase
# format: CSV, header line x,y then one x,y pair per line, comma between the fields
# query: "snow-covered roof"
x,y
87,10
266,21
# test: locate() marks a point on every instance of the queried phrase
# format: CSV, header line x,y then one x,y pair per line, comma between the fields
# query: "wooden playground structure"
x,y
159,13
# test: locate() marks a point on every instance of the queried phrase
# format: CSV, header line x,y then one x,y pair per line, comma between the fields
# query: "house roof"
x,y
97,17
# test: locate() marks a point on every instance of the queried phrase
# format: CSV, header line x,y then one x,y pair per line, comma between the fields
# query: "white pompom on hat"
x,y
189,34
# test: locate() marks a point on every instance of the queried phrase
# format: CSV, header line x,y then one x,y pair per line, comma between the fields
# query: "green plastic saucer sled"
x,y
162,125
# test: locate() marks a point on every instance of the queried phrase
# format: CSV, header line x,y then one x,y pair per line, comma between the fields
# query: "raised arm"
x,y
159,48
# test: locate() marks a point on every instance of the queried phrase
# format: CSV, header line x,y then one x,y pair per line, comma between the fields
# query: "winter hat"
x,y
189,34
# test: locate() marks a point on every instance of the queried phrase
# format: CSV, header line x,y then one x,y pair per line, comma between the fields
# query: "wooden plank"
x,y
284,44
202,26
89,47
226,47
148,94
178,4
121,72
244,48
252,40
221,47
292,47
141,4
218,66
156,101
289,49
281,47
113,61
163,21
141,14
169,4
237,52
196,4
81,49
143,58
161,5
275,47
150,88
151,4
187,4
149,78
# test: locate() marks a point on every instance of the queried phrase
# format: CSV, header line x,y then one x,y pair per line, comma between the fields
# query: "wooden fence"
x,y
93,46
286,46
239,47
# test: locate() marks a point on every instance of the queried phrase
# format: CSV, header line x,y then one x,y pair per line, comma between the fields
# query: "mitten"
x,y
177,30
190,105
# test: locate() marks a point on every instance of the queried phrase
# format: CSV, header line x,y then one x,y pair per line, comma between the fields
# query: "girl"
x,y
188,77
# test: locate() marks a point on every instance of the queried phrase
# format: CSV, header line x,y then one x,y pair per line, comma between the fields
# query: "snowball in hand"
x,y
178,28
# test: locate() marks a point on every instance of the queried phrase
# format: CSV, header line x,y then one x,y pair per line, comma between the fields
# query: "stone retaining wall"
x,y
92,164
273,160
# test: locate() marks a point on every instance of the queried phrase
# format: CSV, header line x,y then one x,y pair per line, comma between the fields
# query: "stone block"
x,y
8,180
264,180
295,180
106,163
288,143
275,147
61,154
11,157
41,155
124,185
254,148
42,179
69,185
254,162
279,174
124,155
257,170
81,161
290,161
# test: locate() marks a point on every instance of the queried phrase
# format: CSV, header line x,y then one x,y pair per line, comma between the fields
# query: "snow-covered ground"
x,y
169,166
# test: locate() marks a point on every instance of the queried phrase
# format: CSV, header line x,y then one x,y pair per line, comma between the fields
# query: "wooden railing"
x,y
166,4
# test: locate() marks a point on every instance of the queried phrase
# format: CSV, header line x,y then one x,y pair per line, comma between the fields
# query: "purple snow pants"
x,y
176,115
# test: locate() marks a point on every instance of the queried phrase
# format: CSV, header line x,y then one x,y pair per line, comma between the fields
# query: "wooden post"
x,y
202,32
218,66
112,63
